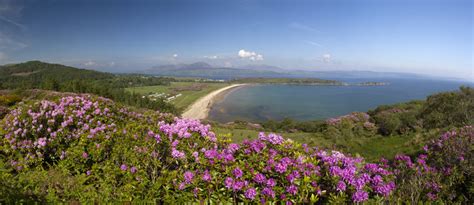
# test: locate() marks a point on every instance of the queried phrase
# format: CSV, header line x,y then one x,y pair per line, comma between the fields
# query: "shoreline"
x,y
200,109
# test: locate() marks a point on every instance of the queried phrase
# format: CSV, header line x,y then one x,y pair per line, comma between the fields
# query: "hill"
x,y
204,70
33,74
56,77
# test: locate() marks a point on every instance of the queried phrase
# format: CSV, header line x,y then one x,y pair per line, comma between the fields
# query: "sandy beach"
x,y
200,109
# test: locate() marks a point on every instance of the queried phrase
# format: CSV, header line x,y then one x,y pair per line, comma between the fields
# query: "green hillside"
x,y
56,77
34,74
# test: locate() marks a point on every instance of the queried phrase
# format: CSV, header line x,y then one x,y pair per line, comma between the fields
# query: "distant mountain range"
x,y
205,70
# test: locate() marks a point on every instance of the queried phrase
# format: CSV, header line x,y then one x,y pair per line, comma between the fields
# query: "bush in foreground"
x,y
82,148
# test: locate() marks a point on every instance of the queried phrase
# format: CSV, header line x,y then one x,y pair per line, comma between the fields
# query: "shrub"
x,y
89,149
449,108
442,172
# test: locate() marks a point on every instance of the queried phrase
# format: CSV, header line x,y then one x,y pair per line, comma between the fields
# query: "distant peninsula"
x,y
302,81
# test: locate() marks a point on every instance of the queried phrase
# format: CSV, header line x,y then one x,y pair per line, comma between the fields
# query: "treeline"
x,y
442,110
56,77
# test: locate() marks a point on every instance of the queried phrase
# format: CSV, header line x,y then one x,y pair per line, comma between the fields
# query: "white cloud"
x,y
250,55
90,63
111,64
326,58
211,57
175,55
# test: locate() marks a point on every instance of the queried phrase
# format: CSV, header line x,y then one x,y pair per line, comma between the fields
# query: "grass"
x,y
187,97
371,148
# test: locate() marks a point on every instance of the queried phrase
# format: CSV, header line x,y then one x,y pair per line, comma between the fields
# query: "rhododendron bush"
x,y
90,149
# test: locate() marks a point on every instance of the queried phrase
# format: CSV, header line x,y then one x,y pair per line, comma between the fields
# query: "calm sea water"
x,y
302,102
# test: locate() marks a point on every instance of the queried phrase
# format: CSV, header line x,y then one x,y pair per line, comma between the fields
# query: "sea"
x,y
257,103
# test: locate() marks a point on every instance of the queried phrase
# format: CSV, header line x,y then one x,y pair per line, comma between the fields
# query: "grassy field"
x,y
371,148
191,91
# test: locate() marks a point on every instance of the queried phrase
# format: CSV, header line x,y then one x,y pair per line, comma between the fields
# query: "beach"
x,y
200,109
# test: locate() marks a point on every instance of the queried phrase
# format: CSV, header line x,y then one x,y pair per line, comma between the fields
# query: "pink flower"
x,y
123,167
237,172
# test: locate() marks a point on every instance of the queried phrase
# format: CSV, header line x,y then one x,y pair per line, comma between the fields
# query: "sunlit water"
x,y
302,102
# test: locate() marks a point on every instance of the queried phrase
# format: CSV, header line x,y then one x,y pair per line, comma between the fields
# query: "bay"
x,y
257,103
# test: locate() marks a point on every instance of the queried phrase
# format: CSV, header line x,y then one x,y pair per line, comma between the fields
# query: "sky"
x,y
433,37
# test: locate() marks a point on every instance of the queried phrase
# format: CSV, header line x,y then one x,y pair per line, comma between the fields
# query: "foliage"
x,y
449,108
56,77
444,171
8,100
83,148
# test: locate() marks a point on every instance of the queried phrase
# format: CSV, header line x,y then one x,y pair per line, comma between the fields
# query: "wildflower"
x,y
133,170
188,176
280,168
268,192
237,172
229,182
41,142
206,176
271,182
238,185
259,178
292,189
341,186
250,193
182,185
177,154
85,155
123,167
360,196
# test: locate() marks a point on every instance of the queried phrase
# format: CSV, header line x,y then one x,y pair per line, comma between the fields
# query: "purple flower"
x,y
133,170
360,196
229,182
292,189
88,172
182,185
341,186
188,176
431,196
233,147
268,192
259,178
206,176
85,155
41,142
271,182
211,154
177,154
237,172
280,168
123,167
238,185
250,193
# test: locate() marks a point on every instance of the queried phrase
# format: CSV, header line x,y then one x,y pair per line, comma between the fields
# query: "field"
x,y
191,91
371,148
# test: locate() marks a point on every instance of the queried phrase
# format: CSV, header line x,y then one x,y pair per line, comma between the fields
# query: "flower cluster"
x,y
354,117
143,151
444,162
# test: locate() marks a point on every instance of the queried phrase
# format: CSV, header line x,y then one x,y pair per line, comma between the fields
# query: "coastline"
x,y
200,109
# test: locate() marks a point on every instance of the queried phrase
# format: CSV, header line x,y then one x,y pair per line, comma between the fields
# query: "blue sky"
x,y
419,36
